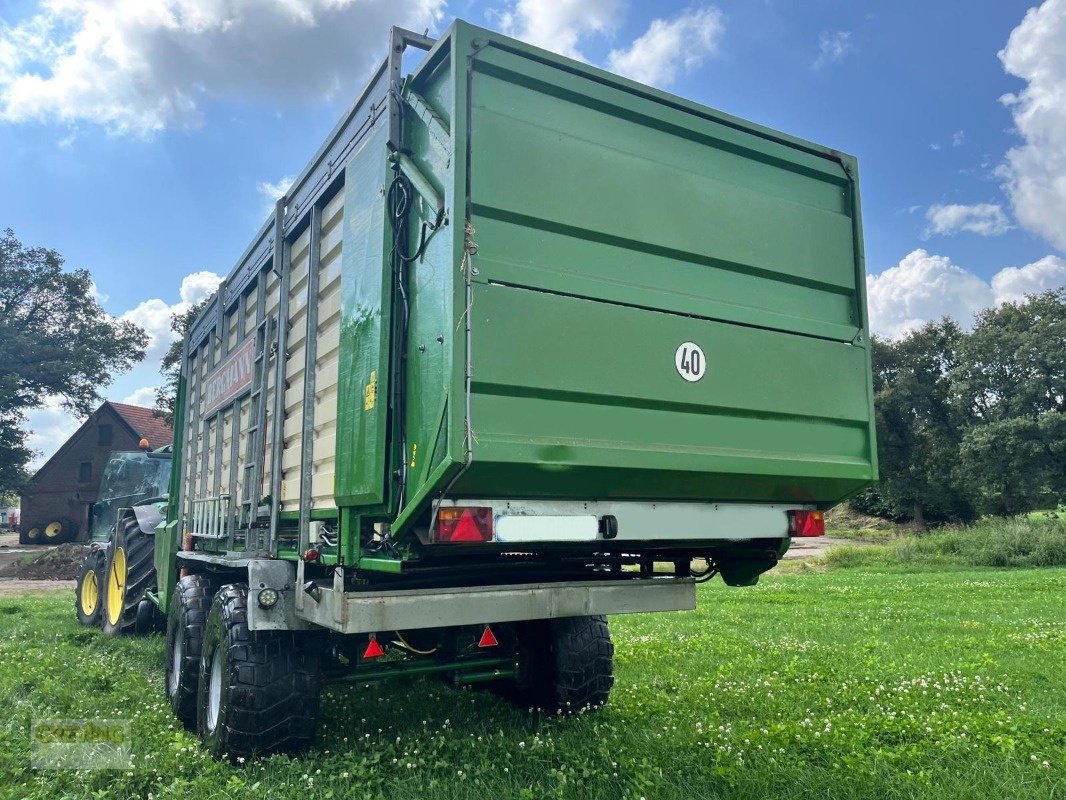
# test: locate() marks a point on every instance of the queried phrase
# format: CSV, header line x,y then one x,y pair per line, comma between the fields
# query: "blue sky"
x,y
141,138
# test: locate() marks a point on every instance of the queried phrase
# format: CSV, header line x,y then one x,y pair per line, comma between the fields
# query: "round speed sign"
x,y
690,362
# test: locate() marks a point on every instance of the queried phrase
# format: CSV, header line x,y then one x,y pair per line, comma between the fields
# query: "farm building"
x,y
64,488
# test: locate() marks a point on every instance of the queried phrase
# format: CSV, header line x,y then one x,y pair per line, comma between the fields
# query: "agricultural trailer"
x,y
527,344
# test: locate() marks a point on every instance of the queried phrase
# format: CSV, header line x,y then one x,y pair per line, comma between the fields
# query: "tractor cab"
x,y
129,478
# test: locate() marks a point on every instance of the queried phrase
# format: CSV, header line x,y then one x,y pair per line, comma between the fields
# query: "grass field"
x,y
846,683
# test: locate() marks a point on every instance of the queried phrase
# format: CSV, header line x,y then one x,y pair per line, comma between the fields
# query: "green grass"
x,y
993,542
847,683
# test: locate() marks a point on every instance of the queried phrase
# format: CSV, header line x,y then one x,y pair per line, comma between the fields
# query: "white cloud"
x,y
145,396
559,25
1012,284
670,46
832,47
1035,173
925,287
138,67
272,192
958,139
49,427
154,315
984,219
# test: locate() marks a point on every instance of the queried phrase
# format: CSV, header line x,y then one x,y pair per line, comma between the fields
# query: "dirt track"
x,y
10,552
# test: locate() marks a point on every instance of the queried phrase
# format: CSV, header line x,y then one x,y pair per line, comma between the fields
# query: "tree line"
x,y
972,423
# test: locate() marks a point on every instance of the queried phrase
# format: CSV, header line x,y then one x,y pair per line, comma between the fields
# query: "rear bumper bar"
x,y
368,612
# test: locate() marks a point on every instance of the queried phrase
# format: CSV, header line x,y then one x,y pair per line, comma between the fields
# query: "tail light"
x,y
805,522
459,524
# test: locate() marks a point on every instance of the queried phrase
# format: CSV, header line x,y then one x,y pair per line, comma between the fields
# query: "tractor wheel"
x,y
31,536
189,607
258,690
58,531
578,671
130,572
88,595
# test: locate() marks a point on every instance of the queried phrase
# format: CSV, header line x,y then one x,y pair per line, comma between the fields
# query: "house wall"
x,y
57,491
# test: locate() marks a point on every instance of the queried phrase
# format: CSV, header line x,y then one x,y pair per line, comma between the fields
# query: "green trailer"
x,y
527,344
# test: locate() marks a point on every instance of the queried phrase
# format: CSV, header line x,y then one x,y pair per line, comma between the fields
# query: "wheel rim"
x,y
214,690
116,586
90,593
52,530
176,657
33,533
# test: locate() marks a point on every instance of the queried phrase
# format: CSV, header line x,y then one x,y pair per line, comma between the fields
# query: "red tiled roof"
x,y
147,425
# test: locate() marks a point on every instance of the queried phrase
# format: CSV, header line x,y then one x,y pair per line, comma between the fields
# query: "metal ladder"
x,y
256,448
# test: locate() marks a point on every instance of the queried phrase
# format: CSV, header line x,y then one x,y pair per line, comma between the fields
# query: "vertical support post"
x,y
222,330
184,411
281,266
348,539
307,442
253,483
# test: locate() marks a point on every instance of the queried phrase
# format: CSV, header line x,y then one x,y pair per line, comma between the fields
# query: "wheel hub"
x,y
214,689
90,593
116,587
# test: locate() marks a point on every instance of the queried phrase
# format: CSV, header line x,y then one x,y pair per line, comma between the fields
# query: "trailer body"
x,y
522,341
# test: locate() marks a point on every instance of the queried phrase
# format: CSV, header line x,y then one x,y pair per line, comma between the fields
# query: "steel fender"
x,y
148,518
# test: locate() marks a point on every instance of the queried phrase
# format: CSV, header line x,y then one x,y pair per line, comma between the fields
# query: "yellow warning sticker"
x,y
370,392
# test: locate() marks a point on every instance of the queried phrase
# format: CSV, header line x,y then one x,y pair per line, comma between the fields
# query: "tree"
x,y
166,395
1016,465
55,339
918,425
1011,383
1013,364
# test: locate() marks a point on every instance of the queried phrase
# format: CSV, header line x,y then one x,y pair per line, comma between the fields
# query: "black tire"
x,y
186,620
130,573
258,691
88,594
566,664
31,535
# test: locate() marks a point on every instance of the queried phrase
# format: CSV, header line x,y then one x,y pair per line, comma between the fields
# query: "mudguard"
x,y
148,517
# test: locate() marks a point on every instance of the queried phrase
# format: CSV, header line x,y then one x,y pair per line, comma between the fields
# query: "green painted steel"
x,y
366,320
608,224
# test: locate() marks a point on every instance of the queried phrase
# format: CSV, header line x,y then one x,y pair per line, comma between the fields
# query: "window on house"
x,y
85,471
105,433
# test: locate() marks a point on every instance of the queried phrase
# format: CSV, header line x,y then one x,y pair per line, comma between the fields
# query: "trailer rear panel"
x,y
582,289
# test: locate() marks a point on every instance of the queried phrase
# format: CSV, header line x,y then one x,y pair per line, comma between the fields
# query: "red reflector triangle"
x,y
373,650
467,530
487,638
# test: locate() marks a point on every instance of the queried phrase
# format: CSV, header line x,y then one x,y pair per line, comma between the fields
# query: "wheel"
x,y
58,531
258,690
578,671
87,594
130,572
189,607
31,536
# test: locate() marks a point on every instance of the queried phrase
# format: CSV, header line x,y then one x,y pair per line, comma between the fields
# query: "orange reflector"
x,y
373,649
804,522
488,639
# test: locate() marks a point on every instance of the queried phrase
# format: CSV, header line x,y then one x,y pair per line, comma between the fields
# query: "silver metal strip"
x,y
307,441
368,612
277,441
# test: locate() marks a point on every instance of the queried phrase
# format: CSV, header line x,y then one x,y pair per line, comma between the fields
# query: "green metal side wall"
x,y
613,222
